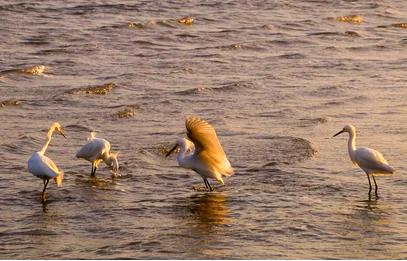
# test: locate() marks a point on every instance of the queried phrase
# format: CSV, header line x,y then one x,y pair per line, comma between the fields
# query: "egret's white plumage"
x,y
43,167
369,160
202,152
96,151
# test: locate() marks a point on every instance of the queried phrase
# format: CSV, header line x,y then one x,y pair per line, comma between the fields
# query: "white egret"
x,y
43,167
370,161
203,152
96,151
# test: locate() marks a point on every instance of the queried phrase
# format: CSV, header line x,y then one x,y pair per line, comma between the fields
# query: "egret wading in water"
x,y
43,167
96,151
202,152
370,161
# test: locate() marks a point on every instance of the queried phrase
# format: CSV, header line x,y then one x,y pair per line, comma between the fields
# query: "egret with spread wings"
x,y
202,152
370,161
43,167
96,151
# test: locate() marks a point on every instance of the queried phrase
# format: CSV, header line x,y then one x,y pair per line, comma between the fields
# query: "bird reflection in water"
x,y
372,215
206,219
365,225
368,204
44,206
101,182
372,207
209,209
96,182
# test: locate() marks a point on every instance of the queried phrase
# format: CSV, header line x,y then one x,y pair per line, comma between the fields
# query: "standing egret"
x,y
370,161
96,151
202,152
43,167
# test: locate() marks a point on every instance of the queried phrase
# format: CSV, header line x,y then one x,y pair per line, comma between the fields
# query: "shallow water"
x,y
276,80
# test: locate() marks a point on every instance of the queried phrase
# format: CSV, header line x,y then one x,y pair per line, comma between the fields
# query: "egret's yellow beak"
x,y
172,150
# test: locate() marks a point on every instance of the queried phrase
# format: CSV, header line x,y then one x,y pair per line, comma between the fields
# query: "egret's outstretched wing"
x,y
203,135
215,163
93,149
207,146
371,159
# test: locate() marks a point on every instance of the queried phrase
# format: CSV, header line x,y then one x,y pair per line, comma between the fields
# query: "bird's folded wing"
x,y
203,135
93,150
372,159
49,167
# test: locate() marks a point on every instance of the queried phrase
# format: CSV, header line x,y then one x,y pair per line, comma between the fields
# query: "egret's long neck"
x,y
352,145
182,155
49,136
107,158
111,160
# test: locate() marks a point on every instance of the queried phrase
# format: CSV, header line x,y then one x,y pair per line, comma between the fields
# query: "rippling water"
x,y
276,78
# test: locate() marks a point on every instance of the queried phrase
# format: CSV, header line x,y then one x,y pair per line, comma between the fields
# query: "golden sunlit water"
x,y
276,79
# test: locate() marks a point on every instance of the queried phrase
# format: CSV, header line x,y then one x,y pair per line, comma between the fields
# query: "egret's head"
x,y
183,143
58,128
92,135
58,179
114,162
348,128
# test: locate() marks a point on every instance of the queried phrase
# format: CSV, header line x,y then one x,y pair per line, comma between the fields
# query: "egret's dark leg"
x,y
45,185
92,174
43,191
370,184
375,191
206,184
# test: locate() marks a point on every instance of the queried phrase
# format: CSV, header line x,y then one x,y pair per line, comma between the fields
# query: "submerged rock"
x,y
32,70
187,20
10,102
352,33
35,70
313,121
136,25
127,112
354,19
400,25
96,90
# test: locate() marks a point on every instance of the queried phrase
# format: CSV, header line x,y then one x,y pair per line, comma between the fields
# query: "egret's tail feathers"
x,y
387,170
226,169
220,180
58,179
392,170
229,172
